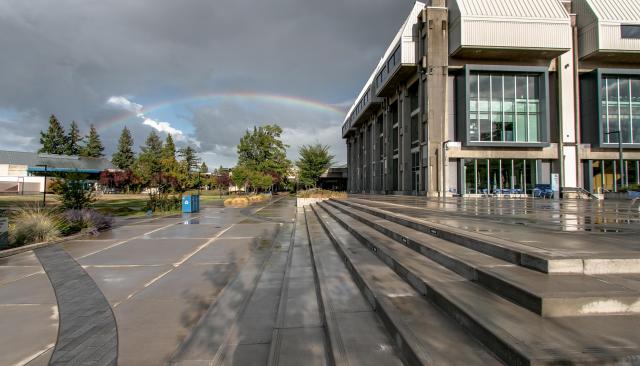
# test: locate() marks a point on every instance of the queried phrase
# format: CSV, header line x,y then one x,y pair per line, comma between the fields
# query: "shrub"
x,y
88,219
321,193
163,202
76,193
35,224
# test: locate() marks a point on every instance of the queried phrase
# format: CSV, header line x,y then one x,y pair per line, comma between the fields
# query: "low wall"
x,y
301,202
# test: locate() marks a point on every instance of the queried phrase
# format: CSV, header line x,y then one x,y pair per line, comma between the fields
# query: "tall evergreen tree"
x,y
53,141
169,151
73,139
189,158
124,157
204,168
94,147
149,162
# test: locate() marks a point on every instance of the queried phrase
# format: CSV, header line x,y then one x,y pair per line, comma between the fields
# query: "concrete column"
x,y
566,119
405,142
388,141
437,70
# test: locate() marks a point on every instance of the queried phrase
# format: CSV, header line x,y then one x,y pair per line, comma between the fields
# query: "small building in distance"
x,y
24,172
335,178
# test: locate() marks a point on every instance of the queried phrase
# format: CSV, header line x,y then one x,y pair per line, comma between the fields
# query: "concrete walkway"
x,y
155,278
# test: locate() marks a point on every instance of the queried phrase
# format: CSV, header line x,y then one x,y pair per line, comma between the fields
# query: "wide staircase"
x,y
395,289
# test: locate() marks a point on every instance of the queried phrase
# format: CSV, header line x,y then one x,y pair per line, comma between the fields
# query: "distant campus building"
x,y
493,96
23,172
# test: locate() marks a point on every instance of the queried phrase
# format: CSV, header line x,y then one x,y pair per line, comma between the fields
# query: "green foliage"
x,y
94,147
163,202
76,192
149,162
35,224
54,140
73,140
240,176
168,153
314,160
262,182
124,157
264,152
204,168
189,158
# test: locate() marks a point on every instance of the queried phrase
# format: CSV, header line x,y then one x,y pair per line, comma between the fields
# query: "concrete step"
x,y
422,333
544,294
355,334
538,258
515,334
298,335
565,256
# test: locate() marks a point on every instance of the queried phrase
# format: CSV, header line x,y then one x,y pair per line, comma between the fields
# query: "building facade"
x,y
24,172
476,97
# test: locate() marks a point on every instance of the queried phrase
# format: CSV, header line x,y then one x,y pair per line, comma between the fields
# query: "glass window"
x,y
504,107
620,109
414,130
631,31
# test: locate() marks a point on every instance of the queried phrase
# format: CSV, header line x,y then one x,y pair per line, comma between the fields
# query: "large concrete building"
x,y
478,97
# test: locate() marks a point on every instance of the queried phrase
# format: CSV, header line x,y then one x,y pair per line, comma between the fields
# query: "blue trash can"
x,y
190,203
186,204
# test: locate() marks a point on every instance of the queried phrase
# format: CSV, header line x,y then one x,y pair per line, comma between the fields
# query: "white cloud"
x,y
122,102
163,127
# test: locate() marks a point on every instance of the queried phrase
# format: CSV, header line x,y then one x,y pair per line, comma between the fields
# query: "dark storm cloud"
x,y
68,57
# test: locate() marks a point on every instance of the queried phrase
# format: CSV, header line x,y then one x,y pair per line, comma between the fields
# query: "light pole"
x,y
44,191
621,155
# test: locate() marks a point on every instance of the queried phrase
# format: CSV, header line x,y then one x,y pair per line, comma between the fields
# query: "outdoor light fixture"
x,y
44,190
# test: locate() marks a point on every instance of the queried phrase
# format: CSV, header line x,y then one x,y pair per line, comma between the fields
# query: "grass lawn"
x,y
110,204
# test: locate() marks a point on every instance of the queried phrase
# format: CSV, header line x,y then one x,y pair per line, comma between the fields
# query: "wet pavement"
x,y
581,227
159,277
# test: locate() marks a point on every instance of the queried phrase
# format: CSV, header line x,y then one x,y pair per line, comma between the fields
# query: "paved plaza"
x,y
383,280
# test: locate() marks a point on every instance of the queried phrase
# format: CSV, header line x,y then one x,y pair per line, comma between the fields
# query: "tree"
x,y
73,139
221,179
204,168
262,182
169,150
77,193
189,158
314,160
149,162
54,140
263,151
124,157
94,147
240,176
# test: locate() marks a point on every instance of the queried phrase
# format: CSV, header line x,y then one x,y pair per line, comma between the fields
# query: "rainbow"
x,y
286,100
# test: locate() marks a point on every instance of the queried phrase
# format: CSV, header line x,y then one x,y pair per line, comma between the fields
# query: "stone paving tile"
x,y
80,248
88,332
34,289
145,251
187,231
11,273
151,330
22,259
118,282
25,331
225,250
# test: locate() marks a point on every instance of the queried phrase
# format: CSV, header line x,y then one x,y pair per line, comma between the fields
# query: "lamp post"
x,y
621,156
44,191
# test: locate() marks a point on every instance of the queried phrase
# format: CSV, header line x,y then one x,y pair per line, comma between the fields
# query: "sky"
x,y
205,71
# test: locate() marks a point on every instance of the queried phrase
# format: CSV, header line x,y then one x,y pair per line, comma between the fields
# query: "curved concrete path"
x,y
87,333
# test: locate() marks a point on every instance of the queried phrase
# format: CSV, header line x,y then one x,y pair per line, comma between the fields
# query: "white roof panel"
x,y
616,10
536,9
